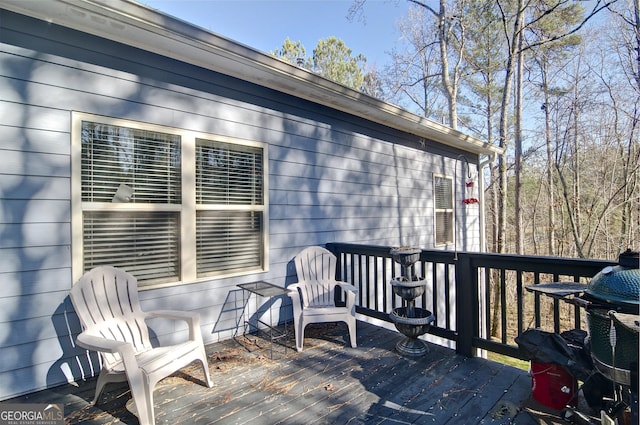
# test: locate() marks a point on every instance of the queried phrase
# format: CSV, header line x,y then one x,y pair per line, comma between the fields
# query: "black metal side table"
x,y
262,289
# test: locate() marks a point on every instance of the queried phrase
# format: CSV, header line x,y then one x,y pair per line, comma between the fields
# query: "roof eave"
x,y
136,25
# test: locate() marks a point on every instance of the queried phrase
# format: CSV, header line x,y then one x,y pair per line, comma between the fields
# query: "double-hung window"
x,y
165,204
229,200
443,207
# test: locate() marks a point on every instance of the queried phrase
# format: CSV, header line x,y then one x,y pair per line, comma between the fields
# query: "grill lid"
x,y
618,284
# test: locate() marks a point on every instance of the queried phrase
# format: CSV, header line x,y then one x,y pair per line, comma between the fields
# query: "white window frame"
x,y
187,209
437,210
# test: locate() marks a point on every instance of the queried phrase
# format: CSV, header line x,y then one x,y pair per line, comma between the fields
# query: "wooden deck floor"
x,y
328,383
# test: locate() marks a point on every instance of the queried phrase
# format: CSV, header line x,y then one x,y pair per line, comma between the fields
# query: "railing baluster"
x,y
382,281
487,302
503,305
556,308
423,298
519,301
447,293
367,271
434,280
577,312
376,293
501,272
536,302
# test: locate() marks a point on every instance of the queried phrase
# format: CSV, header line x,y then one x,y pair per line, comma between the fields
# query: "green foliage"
x,y
292,52
332,59
549,20
484,60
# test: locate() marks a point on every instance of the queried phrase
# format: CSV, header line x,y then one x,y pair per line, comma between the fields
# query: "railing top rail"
x,y
379,250
434,255
541,264
528,263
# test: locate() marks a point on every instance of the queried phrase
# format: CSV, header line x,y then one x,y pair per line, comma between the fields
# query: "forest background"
x,y
554,83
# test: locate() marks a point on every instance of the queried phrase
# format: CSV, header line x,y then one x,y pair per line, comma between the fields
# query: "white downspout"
x,y
483,223
483,245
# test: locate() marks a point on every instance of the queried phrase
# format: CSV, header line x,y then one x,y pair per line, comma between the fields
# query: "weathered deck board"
x,y
328,383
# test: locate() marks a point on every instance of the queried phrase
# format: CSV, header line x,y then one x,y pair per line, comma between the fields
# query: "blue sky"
x,y
265,24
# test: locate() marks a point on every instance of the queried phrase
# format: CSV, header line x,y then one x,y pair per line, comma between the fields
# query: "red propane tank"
x,y
552,385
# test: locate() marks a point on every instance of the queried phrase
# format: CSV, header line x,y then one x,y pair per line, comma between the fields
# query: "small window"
x,y
443,207
165,204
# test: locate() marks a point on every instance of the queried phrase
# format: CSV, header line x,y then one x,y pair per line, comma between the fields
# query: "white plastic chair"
x,y
313,297
106,301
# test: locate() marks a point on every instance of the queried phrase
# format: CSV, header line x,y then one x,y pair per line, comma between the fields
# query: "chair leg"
x,y
142,393
205,368
105,378
102,381
299,331
351,324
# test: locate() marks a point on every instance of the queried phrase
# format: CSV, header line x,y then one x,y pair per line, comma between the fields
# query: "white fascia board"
x,y
136,25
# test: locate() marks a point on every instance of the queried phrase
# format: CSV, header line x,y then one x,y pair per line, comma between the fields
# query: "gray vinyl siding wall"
x,y
333,177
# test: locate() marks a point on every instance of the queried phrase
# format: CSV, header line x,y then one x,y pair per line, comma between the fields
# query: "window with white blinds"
x,y
227,241
443,207
114,156
166,204
146,244
228,174
229,204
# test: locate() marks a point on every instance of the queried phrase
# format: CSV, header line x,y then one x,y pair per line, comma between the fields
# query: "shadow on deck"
x,y
328,383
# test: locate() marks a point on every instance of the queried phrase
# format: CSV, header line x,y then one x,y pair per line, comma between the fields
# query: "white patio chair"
x,y
106,301
313,297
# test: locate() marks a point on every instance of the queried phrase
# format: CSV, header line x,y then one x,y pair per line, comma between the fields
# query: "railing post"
x,y
466,305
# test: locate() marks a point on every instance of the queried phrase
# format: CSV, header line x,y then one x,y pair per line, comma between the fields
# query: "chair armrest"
x,y
350,292
104,345
191,317
296,301
347,287
173,314
293,287
98,343
293,291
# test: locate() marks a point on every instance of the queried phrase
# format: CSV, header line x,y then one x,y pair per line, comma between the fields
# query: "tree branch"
x,y
594,11
426,6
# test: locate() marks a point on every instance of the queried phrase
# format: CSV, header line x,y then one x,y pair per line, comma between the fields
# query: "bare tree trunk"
x,y
631,160
504,122
570,199
449,77
495,246
519,228
636,14
450,82
630,203
425,86
551,211
502,165
577,207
